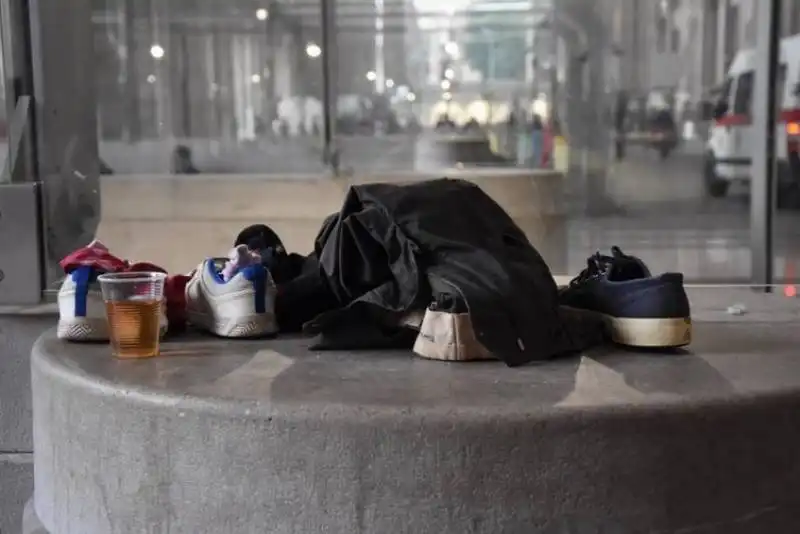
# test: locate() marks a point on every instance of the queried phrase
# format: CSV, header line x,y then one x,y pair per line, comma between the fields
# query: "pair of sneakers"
x,y
230,297
637,309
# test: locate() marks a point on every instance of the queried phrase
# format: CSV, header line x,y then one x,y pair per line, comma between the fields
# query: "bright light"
x,y
313,50
411,97
446,85
371,76
151,78
540,107
390,83
449,74
451,48
255,78
262,14
157,51
447,96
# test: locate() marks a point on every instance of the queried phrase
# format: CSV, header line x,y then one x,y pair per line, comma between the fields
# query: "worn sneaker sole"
x,y
449,337
650,333
82,329
246,326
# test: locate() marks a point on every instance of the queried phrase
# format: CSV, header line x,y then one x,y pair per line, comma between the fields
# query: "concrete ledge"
x,y
263,436
179,220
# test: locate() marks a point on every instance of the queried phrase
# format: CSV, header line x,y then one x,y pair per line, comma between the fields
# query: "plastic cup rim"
x,y
131,277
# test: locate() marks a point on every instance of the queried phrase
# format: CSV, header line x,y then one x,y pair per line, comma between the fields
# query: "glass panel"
x,y
437,84
673,188
787,136
5,176
207,111
207,87
201,107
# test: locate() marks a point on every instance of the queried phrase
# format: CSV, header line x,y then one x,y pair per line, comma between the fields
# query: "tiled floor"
x,y
664,217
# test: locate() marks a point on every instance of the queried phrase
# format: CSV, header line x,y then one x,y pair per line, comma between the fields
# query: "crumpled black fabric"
x,y
395,248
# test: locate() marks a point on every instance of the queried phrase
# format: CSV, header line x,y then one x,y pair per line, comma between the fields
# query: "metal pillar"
x,y
330,52
18,83
588,132
66,125
380,37
133,118
762,187
596,142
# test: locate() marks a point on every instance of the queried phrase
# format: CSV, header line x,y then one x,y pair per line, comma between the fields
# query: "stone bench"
x,y
177,221
229,437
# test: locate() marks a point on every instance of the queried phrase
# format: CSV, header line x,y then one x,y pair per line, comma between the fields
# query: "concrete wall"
x,y
17,335
179,221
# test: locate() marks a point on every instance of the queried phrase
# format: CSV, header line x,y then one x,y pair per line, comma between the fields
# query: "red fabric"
x,y
97,255
175,293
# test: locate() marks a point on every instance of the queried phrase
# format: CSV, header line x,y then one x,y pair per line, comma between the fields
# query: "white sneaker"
x,y
241,307
81,310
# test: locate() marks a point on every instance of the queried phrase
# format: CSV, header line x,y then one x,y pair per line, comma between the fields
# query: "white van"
x,y
729,147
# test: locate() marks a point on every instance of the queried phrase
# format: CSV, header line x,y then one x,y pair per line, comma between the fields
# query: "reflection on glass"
x,y
208,87
4,176
225,89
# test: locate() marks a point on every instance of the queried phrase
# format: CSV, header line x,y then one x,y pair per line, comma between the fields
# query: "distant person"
x,y
664,130
511,121
663,121
104,168
182,161
472,126
537,140
620,119
445,123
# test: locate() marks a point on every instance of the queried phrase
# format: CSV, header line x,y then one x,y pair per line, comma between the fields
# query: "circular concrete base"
x,y
263,436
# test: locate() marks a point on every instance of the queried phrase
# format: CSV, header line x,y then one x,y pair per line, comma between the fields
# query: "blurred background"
x,y
620,95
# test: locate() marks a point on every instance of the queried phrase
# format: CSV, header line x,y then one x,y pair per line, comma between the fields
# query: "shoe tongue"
x,y
621,266
604,263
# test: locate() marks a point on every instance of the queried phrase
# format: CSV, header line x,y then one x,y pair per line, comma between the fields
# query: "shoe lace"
x,y
596,265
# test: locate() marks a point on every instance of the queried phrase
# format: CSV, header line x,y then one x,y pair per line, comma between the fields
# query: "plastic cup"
x,y
134,303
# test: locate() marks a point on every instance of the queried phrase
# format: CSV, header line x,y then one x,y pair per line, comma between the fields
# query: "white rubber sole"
x,y
650,333
90,329
83,329
256,325
449,337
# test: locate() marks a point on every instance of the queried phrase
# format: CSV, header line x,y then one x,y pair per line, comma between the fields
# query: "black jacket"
x,y
399,248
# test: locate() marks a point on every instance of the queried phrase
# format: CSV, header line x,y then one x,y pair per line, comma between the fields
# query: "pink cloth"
x,y
239,258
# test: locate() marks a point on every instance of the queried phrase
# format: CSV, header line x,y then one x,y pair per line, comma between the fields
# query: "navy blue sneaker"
x,y
639,309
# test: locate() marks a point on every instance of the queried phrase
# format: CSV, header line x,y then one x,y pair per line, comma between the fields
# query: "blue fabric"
x,y
257,274
211,267
537,148
82,276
